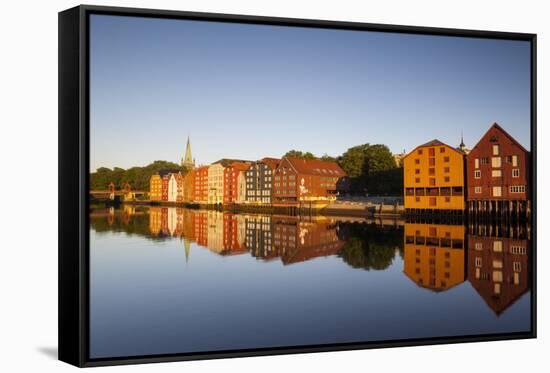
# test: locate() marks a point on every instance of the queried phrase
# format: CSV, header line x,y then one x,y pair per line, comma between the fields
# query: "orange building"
x,y
155,187
434,178
188,186
200,184
179,184
434,255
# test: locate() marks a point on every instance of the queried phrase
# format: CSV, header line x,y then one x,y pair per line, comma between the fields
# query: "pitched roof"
x,y
240,166
503,131
434,142
315,166
271,162
226,162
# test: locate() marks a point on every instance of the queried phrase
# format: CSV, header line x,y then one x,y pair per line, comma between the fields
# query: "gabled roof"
x,y
271,162
434,142
240,166
315,167
226,162
503,131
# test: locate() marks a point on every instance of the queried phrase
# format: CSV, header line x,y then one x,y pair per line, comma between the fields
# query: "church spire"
x,y
188,161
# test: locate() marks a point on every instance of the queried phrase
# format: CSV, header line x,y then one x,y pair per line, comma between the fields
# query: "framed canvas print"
x,y
239,186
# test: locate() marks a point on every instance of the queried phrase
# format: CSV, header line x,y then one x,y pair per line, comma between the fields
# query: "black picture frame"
x,y
73,182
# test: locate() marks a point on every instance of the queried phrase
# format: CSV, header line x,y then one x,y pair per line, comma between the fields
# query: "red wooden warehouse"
x,y
498,174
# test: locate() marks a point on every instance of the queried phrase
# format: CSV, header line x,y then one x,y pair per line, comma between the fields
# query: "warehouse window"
x,y
515,172
495,162
496,149
476,163
497,191
478,189
496,173
517,189
477,174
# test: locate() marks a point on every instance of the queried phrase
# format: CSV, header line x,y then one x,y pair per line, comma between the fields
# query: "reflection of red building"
x,y
230,180
200,184
164,221
200,226
232,239
498,269
298,241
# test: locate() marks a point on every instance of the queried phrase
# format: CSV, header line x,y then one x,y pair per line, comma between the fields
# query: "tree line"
x,y
137,177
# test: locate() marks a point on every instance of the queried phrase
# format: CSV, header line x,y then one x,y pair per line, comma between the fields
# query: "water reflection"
x,y
494,259
201,280
498,264
434,255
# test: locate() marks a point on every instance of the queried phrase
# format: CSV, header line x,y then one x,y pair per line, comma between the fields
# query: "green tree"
x,y
371,168
300,154
137,177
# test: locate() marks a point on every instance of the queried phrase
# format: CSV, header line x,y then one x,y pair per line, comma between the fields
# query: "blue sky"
x,y
249,91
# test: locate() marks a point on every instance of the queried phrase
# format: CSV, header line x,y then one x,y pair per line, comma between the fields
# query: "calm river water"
x,y
171,280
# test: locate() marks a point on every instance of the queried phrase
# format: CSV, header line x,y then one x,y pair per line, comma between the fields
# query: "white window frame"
x,y
477,174
515,172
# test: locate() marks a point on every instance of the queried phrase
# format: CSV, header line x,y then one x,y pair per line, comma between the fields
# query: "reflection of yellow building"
x,y
155,188
155,220
434,255
434,177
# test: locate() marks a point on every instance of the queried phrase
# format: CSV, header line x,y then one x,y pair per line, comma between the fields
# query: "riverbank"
x,y
334,209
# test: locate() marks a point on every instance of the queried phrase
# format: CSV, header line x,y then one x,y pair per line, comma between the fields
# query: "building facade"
x,y
434,178
188,186
172,188
498,172
259,180
179,184
200,185
155,188
298,180
231,175
215,183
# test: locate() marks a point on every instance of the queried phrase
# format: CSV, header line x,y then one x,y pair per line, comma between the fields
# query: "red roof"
x,y
499,128
239,166
272,163
315,167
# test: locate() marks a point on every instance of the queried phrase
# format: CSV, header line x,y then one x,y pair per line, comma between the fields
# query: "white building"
x,y
215,183
172,188
241,187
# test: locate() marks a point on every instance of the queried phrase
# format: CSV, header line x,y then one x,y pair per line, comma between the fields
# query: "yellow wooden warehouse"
x,y
434,179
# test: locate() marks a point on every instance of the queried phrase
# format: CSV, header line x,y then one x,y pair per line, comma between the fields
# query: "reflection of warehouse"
x,y
298,241
498,268
259,236
434,255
